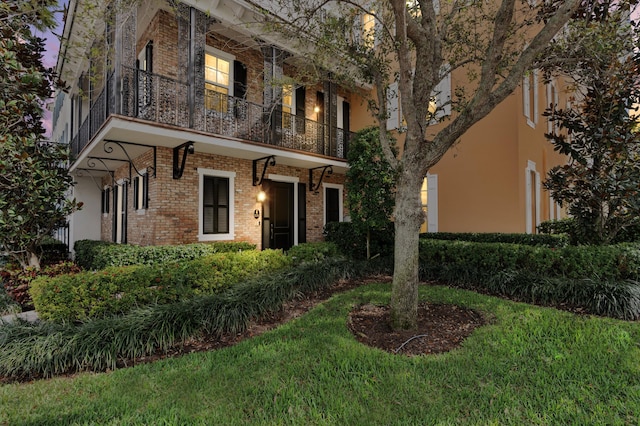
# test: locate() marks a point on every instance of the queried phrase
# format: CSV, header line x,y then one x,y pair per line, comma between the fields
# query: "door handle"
x,y
271,228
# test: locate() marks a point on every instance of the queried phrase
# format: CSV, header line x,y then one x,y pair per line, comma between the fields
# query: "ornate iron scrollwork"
x,y
268,161
315,187
178,169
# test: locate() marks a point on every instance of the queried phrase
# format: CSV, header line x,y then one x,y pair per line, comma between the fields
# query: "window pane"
x,y
215,205
208,220
333,205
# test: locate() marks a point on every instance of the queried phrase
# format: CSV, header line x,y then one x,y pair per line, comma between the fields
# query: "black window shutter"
x,y
145,191
240,89
302,213
136,191
239,79
148,56
300,109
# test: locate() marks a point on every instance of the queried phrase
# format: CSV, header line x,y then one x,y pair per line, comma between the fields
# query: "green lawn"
x,y
530,366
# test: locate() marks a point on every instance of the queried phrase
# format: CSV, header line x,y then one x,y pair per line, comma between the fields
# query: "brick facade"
x,y
172,214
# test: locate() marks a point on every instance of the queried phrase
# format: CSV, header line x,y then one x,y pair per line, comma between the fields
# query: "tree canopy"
x,y
414,45
33,173
600,186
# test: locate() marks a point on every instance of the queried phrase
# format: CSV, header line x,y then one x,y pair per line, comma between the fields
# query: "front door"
x,y
278,217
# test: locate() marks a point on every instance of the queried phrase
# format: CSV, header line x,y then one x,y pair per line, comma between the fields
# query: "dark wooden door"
x,y
278,219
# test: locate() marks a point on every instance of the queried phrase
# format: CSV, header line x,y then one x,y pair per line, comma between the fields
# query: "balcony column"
x,y
192,42
124,54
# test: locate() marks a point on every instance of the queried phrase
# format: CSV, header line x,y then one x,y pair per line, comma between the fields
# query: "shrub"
x,y
312,252
17,282
576,235
601,279
7,304
44,349
119,289
87,250
525,239
100,254
463,260
353,243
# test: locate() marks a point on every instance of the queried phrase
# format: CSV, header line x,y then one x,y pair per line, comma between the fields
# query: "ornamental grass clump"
x,y
44,349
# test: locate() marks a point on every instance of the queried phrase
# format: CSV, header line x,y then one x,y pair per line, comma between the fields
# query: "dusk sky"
x,y
52,46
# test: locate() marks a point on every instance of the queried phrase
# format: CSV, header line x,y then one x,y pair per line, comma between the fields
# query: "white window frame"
x,y
229,58
140,201
530,105
340,189
119,210
202,172
442,95
393,106
530,187
552,98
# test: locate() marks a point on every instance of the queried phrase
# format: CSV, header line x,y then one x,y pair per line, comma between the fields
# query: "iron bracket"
x,y
269,161
178,169
315,187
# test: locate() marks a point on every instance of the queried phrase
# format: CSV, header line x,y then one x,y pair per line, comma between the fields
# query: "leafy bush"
x,y
17,282
353,243
87,250
601,279
576,235
53,252
7,304
312,252
100,254
474,261
119,289
526,239
44,349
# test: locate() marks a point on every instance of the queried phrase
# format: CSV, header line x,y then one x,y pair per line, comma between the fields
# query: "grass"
x,y
530,366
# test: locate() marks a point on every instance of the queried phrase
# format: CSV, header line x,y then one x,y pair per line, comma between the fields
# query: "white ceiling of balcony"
x,y
146,135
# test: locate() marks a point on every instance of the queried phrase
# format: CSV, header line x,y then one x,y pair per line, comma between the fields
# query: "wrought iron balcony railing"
x,y
161,99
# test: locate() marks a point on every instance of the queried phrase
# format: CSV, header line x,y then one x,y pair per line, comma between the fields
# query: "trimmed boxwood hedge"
x,y
119,289
601,279
95,255
480,237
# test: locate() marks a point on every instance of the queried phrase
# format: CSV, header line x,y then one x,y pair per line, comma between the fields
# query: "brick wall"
x,y
172,215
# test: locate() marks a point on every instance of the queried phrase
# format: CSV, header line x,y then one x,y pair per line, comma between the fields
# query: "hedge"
x,y
601,279
525,239
470,261
119,289
353,243
96,255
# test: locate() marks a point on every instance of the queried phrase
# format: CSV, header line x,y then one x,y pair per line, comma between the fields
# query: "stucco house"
x,y
187,129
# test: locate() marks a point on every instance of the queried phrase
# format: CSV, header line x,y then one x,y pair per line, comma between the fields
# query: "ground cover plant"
x,y
530,365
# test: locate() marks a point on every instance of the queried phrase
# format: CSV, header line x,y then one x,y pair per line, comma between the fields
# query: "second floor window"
x,y
216,82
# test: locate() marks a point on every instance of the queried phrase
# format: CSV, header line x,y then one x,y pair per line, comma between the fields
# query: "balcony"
x,y
161,99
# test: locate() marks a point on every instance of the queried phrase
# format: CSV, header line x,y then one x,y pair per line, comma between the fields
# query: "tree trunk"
x,y
408,218
368,243
34,260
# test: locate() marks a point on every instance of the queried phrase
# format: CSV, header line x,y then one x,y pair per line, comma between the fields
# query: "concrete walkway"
x,y
31,316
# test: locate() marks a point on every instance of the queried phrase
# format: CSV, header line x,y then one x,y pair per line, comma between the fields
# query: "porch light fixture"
x,y
261,197
316,109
